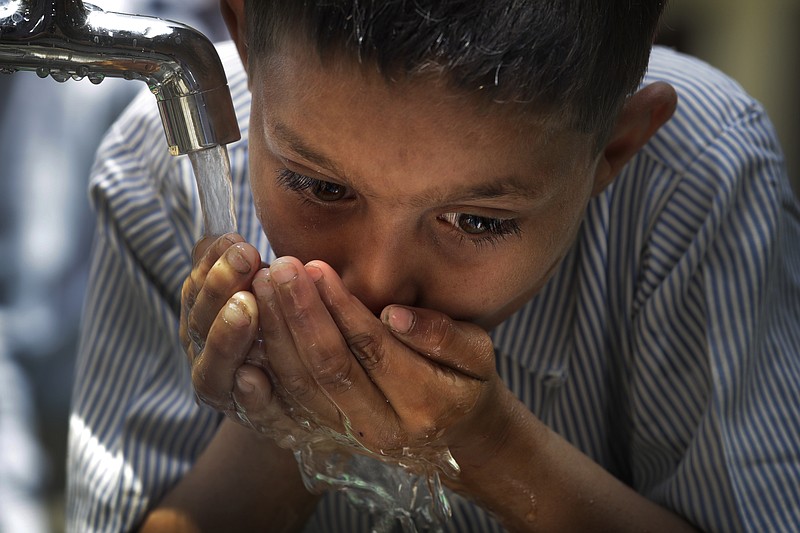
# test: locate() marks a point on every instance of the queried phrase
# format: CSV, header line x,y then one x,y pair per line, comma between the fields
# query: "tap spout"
x,y
72,39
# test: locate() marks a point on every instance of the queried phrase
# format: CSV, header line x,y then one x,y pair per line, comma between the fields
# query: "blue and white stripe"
x,y
666,347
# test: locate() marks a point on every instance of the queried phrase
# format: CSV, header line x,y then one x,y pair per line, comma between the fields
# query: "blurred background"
x,y
48,135
49,132
757,42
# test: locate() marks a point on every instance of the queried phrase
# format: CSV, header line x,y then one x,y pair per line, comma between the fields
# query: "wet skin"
x,y
382,198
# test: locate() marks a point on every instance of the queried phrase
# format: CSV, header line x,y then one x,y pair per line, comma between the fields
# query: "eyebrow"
x,y
298,145
505,187
497,188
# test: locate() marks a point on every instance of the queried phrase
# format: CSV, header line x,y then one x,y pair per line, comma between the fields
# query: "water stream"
x,y
212,170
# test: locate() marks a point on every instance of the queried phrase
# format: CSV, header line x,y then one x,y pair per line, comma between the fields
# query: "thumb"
x,y
462,346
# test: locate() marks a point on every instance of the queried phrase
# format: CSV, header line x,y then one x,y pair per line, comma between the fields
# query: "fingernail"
x,y
237,260
399,319
314,272
235,313
243,384
282,272
262,285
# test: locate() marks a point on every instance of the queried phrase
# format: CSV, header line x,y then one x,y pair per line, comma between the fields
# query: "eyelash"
x,y
496,229
298,183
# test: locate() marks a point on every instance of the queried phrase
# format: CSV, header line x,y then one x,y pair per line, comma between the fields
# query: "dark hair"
x,y
572,60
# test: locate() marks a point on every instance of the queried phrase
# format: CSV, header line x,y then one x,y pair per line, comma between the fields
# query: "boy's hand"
x,y
410,378
219,320
220,334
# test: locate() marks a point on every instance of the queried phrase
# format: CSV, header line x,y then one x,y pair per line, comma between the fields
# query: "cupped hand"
x,y
219,330
219,321
410,378
289,348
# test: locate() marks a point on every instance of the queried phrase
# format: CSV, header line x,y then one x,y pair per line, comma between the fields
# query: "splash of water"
x,y
212,170
402,490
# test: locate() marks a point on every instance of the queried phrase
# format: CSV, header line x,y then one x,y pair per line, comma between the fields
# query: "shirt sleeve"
x,y
715,332
135,426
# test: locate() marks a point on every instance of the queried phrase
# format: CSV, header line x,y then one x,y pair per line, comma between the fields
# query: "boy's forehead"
x,y
297,69
311,103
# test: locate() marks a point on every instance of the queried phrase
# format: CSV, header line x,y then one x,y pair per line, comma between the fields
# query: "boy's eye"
x,y
327,191
474,225
478,226
324,191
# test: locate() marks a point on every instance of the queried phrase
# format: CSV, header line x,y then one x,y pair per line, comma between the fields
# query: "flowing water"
x,y
212,170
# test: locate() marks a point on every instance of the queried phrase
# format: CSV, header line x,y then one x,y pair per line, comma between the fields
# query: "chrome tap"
x,y
72,39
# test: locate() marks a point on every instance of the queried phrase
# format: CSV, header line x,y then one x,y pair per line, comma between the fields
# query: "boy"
x,y
482,238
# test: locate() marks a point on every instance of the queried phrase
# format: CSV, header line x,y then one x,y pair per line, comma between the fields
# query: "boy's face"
x,y
413,194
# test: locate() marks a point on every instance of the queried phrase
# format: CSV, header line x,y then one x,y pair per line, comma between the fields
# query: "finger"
x,y
228,344
330,372
207,251
294,384
466,348
462,346
257,406
417,379
204,254
254,405
416,387
364,335
275,335
231,272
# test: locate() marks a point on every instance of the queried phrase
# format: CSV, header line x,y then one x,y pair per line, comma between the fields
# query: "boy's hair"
x,y
573,61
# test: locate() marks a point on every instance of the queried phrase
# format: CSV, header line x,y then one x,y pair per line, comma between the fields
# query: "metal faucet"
x,y
70,39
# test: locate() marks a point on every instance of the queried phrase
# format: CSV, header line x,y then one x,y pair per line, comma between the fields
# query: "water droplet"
x,y
82,71
96,39
178,40
7,70
16,18
42,72
60,75
96,78
134,42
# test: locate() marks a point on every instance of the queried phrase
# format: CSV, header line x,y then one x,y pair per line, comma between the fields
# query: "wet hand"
x,y
410,378
219,318
219,330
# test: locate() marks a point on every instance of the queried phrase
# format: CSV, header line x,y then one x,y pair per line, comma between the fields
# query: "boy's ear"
x,y
641,116
233,14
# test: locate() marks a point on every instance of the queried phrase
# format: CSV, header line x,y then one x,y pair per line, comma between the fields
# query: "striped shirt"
x,y
666,347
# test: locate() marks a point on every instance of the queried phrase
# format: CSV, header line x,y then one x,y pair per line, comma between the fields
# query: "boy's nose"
x,y
381,276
